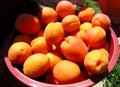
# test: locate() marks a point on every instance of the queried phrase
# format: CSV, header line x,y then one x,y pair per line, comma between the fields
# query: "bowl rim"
x,y
114,52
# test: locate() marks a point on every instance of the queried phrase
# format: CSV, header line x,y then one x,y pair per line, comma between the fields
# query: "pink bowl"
x,y
114,52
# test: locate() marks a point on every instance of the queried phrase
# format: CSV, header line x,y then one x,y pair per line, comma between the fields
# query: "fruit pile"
x,y
65,45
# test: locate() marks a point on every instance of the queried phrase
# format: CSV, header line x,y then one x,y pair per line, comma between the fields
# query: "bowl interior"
x,y
113,52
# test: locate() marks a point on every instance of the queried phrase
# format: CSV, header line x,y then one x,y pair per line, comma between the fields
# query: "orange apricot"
x,y
19,52
36,65
86,26
95,37
101,20
80,34
40,45
66,72
86,13
48,15
74,49
96,61
54,33
54,57
70,23
27,24
65,8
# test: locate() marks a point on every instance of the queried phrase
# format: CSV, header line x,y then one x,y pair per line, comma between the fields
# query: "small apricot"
x,y
27,24
19,52
101,20
66,72
36,65
70,23
40,45
54,33
96,61
74,49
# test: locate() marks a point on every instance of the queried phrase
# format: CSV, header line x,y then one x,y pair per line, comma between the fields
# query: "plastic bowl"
x,y
114,52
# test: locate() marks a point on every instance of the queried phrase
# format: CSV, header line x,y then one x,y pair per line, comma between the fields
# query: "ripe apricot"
x,y
65,8
74,49
96,61
70,23
86,26
95,37
48,15
66,72
23,38
102,20
19,52
80,34
86,13
54,33
36,65
27,24
40,45
54,57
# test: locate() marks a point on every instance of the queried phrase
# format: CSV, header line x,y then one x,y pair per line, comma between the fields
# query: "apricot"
x,y
54,57
65,8
23,38
66,72
48,15
80,34
96,61
19,52
70,23
74,49
86,26
36,65
27,24
40,45
101,20
96,37
86,13
54,33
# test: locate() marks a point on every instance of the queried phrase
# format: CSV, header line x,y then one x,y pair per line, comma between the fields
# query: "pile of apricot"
x,y
65,45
